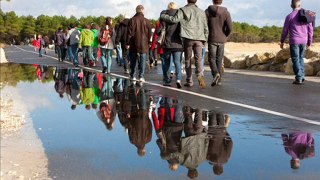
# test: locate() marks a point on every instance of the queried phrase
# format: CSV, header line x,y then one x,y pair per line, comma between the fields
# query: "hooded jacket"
x,y
122,32
172,40
219,23
86,38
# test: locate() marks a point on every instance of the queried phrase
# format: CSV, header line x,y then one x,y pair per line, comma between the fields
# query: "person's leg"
x,y
177,64
197,126
133,62
142,65
119,55
103,59
203,55
188,55
166,67
125,59
84,55
212,59
58,52
74,54
295,56
63,52
109,60
220,57
197,49
302,49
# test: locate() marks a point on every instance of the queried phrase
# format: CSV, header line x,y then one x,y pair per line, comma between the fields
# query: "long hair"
x,y
109,23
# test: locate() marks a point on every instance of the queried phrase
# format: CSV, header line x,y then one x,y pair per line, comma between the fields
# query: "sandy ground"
x,y
22,153
233,50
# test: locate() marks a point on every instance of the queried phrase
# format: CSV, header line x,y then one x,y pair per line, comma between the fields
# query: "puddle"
x,y
102,127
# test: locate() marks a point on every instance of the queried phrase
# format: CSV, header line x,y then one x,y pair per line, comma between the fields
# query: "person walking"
x,y
95,44
220,27
139,34
121,40
85,42
60,41
301,35
106,45
172,47
194,31
74,37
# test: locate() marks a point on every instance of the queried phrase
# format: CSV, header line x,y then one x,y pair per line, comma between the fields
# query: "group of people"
x,y
186,30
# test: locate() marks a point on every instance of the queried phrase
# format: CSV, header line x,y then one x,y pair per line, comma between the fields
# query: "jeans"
x,y
74,53
141,58
196,47
216,55
176,56
94,54
40,51
203,55
297,54
86,54
119,55
106,58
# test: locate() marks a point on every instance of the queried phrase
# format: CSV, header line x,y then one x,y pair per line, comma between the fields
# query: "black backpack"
x,y
306,16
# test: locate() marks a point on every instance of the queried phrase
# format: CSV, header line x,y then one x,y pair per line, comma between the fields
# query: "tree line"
x,y
21,28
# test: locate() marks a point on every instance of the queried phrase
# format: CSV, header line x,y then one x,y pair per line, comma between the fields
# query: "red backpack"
x,y
104,37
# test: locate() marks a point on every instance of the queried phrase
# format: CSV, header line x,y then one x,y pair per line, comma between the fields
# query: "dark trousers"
x,y
196,47
216,55
61,51
125,58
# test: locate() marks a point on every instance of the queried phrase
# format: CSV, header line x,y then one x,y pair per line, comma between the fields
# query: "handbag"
x,y
162,36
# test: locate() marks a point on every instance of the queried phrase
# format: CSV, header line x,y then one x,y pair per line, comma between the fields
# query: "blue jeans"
x,y
106,58
74,53
297,54
141,58
119,55
176,56
203,56
94,53
87,50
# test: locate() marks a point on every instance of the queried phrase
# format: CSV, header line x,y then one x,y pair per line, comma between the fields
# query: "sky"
x,y
257,12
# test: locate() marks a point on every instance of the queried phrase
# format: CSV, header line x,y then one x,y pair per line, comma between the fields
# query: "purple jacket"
x,y
299,145
300,33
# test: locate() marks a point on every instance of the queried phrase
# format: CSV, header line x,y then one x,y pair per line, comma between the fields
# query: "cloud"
x,y
258,12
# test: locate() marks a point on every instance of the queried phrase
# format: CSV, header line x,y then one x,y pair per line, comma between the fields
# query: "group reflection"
x,y
186,136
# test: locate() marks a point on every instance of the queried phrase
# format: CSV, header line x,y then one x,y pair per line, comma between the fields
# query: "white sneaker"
x,y
142,80
133,78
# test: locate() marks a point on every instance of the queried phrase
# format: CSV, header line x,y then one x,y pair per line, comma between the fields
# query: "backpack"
x,y
306,16
104,37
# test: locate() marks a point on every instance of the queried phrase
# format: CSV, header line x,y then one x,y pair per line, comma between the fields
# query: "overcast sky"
x,y
258,12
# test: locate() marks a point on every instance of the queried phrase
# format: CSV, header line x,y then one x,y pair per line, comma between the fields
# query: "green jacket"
x,y
95,43
193,22
87,95
86,38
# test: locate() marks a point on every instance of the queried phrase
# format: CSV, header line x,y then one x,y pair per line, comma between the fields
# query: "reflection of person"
x,y
220,143
60,76
107,112
139,126
169,127
299,146
86,91
73,88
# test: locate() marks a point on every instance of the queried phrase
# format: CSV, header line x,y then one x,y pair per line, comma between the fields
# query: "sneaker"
x,y
94,64
126,71
215,80
201,81
167,84
142,80
188,84
179,86
104,69
297,82
156,62
133,79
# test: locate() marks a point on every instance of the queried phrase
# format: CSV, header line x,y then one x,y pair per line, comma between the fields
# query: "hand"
x,y
127,47
308,46
281,45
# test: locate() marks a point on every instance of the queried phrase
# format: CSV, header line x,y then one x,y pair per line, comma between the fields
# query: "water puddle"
x,y
102,127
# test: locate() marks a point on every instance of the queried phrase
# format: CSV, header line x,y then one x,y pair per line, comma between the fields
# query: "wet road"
x,y
267,118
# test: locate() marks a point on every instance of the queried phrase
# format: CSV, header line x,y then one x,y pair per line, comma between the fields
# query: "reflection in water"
x,y
186,136
299,146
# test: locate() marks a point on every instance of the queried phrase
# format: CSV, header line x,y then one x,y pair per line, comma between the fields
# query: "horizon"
x,y
245,12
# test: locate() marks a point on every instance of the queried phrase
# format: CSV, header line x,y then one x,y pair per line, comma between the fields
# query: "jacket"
x,y
86,38
74,36
220,24
95,43
173,41
110,44
60,38
193,22
139,33
122,32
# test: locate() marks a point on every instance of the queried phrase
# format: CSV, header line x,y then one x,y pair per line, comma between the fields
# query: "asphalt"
x,y
270,98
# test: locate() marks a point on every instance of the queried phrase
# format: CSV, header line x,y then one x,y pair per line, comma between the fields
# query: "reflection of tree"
x,y
12,74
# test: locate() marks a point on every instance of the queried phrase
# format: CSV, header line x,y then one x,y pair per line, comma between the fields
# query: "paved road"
x,y
263,99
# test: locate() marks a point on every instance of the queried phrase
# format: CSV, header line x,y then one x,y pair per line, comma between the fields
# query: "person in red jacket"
x,y
156,49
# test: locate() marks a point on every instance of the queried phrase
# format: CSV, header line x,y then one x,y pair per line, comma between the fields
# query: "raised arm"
x,y
173,19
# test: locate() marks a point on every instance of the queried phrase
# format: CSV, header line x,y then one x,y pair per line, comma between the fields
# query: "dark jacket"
x,y
219,23
122,32
139,34
172,40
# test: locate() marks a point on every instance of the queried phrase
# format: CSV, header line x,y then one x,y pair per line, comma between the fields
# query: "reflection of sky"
x,y
80,147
